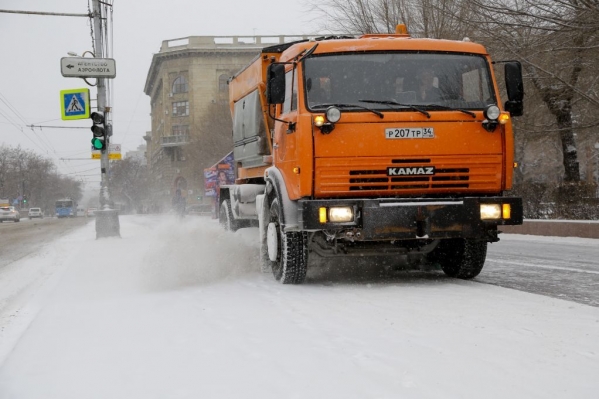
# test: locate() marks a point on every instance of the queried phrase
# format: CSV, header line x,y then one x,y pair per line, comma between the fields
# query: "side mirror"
x,y
275,84
515,88
515,108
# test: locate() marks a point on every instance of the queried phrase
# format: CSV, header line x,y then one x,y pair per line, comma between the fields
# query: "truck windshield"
x,y
460,81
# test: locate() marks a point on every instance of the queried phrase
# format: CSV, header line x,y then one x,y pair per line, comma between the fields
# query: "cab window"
x,y
290,103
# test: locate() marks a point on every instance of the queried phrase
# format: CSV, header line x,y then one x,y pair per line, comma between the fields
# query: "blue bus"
x,y
66,208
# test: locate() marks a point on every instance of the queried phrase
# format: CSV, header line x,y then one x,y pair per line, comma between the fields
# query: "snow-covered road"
x,y
560,267
181,310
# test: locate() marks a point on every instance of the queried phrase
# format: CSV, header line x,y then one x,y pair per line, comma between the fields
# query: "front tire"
x,y
287,254
225,217
460,258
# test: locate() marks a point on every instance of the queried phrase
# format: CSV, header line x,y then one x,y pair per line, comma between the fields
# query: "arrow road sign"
x,y
85,67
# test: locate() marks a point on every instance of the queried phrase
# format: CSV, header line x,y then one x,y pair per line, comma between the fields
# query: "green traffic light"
x,y
97,143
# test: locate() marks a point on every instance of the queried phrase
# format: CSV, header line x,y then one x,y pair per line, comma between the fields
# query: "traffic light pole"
x,y
107,219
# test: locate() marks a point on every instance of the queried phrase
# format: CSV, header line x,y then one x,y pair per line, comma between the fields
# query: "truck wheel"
x,y
286,251
225,217
460,258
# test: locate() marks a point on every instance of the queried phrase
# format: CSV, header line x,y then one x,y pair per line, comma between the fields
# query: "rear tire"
x,y
291,264
225,217
460,258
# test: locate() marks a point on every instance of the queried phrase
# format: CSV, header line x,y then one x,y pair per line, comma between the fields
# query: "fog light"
x,y
341,214
333,114
490,211
492,112
507,211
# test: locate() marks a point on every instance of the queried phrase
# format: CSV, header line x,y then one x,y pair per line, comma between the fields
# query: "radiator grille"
x,y
352,176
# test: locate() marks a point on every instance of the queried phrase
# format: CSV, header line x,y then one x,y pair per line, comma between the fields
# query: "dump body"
x,y
408,137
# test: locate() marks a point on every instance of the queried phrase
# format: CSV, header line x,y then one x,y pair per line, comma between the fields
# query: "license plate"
x,y
410,133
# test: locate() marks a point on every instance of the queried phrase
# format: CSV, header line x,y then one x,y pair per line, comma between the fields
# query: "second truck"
x,y
377,145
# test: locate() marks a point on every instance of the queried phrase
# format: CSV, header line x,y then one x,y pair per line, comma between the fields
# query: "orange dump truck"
x,y
375,145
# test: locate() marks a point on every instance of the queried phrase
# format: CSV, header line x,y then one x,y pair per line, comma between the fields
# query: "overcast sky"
x,y
32,46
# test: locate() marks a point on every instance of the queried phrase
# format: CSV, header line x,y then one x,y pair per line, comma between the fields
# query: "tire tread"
x,y
461,258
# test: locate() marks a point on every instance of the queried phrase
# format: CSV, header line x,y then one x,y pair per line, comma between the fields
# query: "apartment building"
x,y
187,84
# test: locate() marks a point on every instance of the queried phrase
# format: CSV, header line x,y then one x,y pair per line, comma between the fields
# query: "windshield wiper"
x,y
305,54
348,106
446,108
391,102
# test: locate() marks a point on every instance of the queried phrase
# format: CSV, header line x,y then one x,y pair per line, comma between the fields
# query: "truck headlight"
x,y
490,211
336,214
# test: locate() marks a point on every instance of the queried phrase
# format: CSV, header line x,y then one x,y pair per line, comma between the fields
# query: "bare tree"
x,y
129,182
557,42
426,18
24,173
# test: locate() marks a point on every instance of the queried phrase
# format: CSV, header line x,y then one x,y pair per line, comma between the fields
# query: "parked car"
x,y
200,209
35,213
91,212
9,213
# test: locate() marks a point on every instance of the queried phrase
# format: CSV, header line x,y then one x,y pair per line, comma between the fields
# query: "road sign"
x,y
114,152
111,156
85,67
74,104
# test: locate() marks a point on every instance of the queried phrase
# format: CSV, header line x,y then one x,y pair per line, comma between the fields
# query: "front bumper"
x,y
401,219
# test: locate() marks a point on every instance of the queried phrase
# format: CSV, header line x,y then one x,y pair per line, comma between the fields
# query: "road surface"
x,y
18,240
180,309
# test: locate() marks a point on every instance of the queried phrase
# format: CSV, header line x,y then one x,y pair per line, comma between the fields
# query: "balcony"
x,y
174,141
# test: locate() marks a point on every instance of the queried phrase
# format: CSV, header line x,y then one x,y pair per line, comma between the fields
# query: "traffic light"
x,y
24,199
99,131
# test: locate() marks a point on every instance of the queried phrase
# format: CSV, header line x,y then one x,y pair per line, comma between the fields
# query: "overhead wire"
x,y
82,171
16,126
18,114
42,139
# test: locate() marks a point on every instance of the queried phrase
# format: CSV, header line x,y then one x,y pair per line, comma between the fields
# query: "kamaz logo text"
x,y
419,170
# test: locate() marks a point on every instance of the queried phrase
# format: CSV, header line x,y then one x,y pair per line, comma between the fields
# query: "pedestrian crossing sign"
x,y
74,104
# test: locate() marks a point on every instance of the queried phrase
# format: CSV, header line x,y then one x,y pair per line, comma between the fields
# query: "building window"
x,y
181,108
180,130
180,85
222,82
176,154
